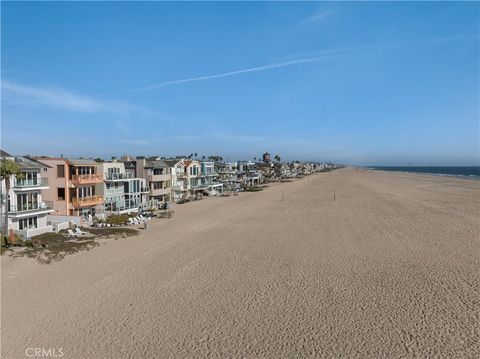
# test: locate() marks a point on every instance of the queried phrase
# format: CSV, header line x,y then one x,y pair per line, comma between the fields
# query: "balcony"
x,y
159,191
31,208
178,188
29,184
180,174
158,178
138,190
87,179
79,202
118,176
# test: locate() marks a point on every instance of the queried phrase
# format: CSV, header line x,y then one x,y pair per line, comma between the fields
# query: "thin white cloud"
x,y
56,98
319,16
51,97
237,72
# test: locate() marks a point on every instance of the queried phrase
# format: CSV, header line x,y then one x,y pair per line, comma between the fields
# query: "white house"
x,y
27,212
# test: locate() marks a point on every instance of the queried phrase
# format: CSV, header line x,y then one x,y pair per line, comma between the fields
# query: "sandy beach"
x,y
390,268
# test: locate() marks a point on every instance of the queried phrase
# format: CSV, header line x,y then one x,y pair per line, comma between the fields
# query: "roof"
x,y
73,161
187,162
155,164
172,163
130,164
81,162
5,154
26,163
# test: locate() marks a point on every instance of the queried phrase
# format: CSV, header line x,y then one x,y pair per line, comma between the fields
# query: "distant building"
x,y
179,179
209,178
192,168
266,157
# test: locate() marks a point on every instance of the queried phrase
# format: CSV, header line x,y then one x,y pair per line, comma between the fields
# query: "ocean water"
x,y
470,172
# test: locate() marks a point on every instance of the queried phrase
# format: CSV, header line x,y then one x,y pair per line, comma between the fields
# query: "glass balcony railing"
x,y
32,182
118,176
31,207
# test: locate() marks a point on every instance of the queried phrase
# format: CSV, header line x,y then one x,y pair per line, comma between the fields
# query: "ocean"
x,y
470,172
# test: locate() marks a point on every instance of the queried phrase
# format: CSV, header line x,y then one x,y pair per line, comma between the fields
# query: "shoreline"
x,y
460,176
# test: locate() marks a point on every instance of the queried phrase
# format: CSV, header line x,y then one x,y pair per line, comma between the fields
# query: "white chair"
x,y
79,232
71,234
144,218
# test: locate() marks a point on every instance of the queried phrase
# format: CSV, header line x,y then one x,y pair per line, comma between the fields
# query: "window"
x,y
60,171
27,223
61,194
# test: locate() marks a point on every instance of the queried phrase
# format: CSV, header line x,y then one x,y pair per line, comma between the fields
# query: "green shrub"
x,y
118,219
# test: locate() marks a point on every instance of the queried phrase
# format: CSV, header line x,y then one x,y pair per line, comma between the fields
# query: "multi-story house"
x,y
158,177
73,187
179,179
247,173
123,193
227,175
209,177
194,184
27,211
265,169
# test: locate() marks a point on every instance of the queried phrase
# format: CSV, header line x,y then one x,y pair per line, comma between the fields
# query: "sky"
x,y
365,83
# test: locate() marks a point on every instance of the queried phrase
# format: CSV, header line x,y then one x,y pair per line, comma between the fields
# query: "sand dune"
x,y
391,268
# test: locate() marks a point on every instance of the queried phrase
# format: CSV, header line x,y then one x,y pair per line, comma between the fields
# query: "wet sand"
x,y
391,268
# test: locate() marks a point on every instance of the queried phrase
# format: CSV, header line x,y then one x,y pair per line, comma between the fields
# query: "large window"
x,y
27,179
86,192
27,201
27,223
60,170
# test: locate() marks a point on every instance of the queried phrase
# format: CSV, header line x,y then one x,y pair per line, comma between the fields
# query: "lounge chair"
x,y
71,234
144,218
80,232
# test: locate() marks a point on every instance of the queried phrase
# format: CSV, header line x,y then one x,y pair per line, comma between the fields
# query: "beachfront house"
x,y
158,177
193,171
27,209
123,193
209,178
247,173
179,179
73,187
227,175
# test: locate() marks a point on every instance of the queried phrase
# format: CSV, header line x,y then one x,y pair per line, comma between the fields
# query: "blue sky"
x,y
359,83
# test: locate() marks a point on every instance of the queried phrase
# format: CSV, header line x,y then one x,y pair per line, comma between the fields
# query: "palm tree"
x,y
203,158
277,158
255,159
195,155
8,169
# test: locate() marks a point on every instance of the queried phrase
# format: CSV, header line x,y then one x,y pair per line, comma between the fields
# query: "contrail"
x,y
233,73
